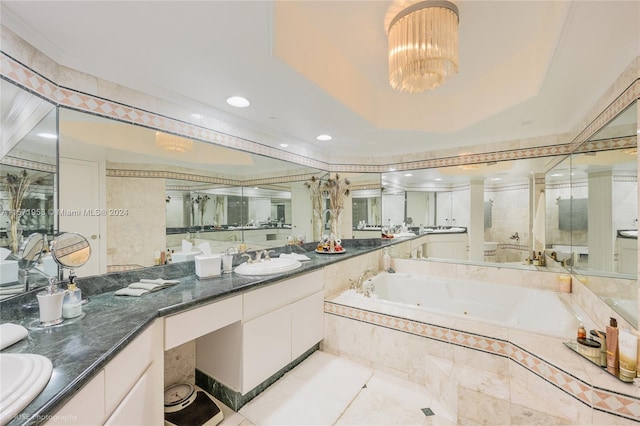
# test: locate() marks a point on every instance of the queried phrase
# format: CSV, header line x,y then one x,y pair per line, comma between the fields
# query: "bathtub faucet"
x,y
359,284
515,237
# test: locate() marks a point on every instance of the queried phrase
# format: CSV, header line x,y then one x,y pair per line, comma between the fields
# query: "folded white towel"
x,y
11,333
131,292
159,281
295,256
145,286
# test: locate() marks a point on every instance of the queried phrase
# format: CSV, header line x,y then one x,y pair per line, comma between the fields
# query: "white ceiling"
x,y
527,68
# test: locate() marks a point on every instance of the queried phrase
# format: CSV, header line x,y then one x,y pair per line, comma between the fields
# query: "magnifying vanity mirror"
x,y
28,256
70,250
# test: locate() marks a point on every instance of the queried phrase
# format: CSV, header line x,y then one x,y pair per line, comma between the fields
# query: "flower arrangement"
x,y
18,188
335,189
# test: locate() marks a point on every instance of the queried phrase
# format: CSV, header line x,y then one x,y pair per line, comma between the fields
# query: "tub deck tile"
x,y
617,403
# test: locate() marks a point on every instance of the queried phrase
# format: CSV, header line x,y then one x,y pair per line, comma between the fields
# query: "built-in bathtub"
x,y
506,306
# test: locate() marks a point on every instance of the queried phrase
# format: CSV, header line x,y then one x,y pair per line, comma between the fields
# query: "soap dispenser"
x,y
72,303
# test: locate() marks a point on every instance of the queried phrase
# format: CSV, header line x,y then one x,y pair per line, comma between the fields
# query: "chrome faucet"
x,y
263,255
248,256
359,284
515,237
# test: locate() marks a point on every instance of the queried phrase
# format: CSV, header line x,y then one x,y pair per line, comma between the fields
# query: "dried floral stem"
x,y
18,188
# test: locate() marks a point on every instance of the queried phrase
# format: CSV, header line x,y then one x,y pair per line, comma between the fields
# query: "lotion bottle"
x,y
72,303
612,347
628,344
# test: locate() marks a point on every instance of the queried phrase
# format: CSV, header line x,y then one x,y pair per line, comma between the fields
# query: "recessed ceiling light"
x,y
238,101
197,116
324,137
284,145
438,179
408,175
48,135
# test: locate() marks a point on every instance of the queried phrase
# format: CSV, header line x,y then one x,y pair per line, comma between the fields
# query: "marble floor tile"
x,y
327,389
389,400
375,408
231,418
314,393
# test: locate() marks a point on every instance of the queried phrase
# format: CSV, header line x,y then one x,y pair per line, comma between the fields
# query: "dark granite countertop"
x,y
79,348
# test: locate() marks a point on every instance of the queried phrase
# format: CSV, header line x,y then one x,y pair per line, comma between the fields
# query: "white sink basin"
x,y
268,267
23,376
444,230
404,234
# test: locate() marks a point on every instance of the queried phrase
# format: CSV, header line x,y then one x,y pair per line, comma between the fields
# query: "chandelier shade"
x,y
423,46
173,143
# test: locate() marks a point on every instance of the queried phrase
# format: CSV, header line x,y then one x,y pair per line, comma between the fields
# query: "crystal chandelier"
x,y
173,143
423,46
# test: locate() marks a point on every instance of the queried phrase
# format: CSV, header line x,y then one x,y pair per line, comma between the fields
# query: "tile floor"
x,y
329,390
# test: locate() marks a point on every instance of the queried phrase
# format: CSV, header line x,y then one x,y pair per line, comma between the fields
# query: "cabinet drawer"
x,y
122,372
190,325
85,408
137,408
272,297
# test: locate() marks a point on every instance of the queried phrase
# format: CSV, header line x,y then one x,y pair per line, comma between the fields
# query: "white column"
x,y
476,220
538,228
600,221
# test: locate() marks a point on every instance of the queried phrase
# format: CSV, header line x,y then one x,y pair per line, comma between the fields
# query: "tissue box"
x,y
8,271
208,266
182,256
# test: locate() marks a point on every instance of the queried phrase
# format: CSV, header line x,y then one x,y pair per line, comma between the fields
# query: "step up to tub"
x,y
476,396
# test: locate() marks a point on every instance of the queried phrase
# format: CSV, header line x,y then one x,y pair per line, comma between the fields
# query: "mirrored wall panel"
x,y
28,179
603,213
158,192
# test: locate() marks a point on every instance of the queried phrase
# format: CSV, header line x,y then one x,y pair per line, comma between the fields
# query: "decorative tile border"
x,y
616,107
32,165
167,174
600,399
29,79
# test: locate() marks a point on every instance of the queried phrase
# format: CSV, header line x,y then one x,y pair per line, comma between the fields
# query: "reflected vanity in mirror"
x,y
478,213
28,175
177,194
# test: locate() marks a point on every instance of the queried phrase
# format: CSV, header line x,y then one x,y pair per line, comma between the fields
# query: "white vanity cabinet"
x,y
627,255
127,391
279,323
266,346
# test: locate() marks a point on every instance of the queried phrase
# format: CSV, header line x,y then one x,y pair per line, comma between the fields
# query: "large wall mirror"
x,y
134,192
604,213
485,212
156,192
28,176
